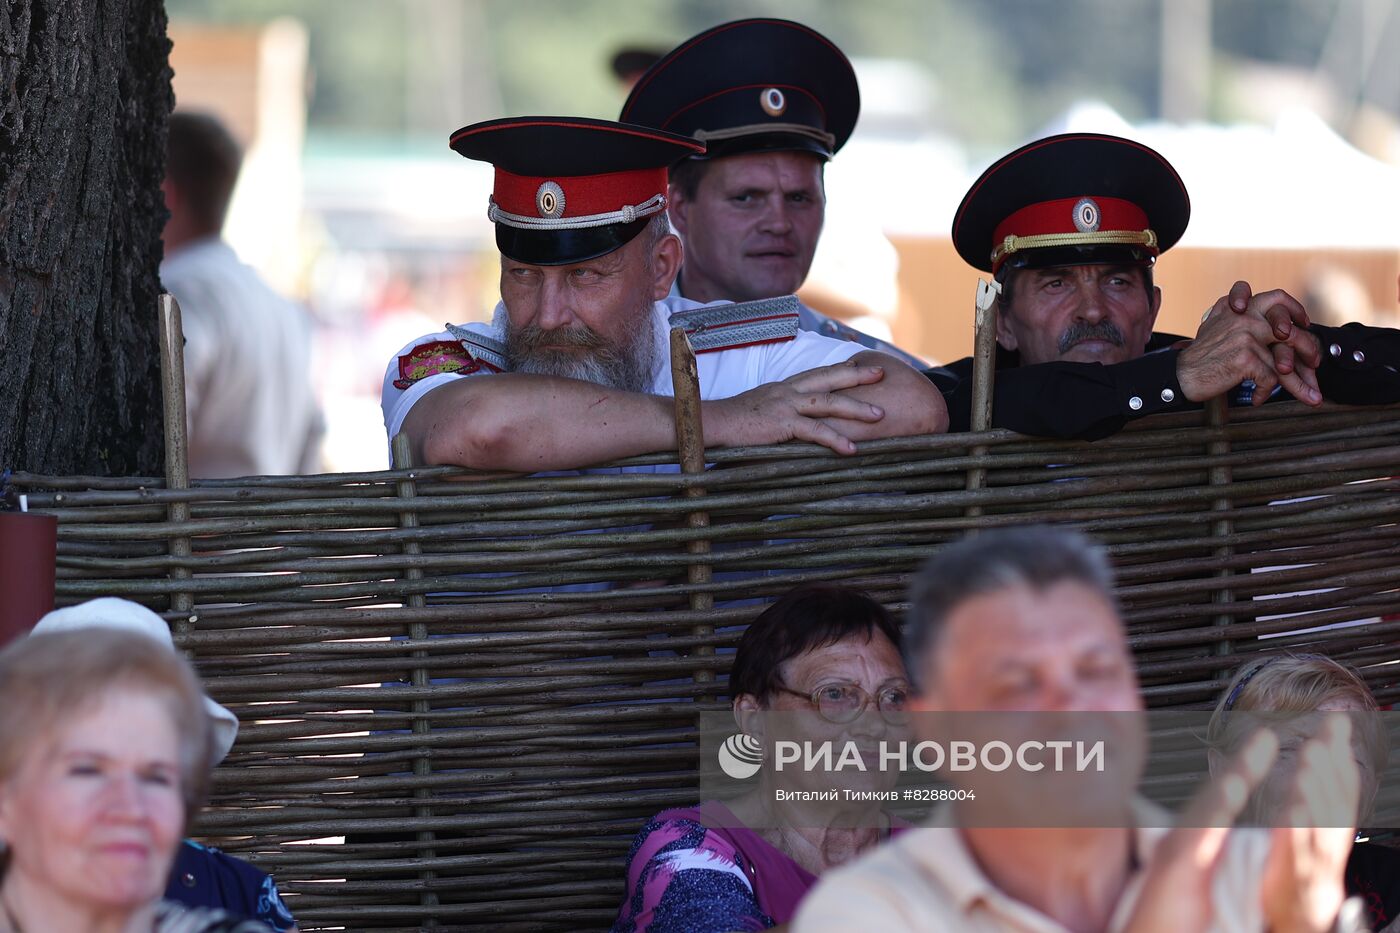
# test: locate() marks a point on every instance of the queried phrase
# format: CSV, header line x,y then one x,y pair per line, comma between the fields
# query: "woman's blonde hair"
x,y
1293,683
47,679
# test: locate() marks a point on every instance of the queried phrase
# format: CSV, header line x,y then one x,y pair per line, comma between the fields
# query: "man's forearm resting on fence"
x,y
529,423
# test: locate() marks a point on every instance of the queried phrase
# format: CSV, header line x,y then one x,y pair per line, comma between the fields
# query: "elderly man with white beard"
x,y
577,352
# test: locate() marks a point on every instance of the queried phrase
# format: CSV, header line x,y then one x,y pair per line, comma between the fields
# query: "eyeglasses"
x,y
842,703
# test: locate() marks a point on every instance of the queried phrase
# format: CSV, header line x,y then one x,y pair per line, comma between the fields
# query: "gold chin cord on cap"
x,y
1012,243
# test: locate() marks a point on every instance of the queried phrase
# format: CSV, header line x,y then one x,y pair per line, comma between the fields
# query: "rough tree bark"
x,y
84,99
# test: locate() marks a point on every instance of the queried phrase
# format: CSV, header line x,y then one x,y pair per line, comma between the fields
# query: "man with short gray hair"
x,y
1024,621
1035,558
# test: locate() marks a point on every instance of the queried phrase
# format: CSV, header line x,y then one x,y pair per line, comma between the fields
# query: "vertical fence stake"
x,y
1218,417
690,446
418,631
984,370
177,466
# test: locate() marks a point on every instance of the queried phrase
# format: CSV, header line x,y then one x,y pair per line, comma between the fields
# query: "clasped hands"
x,y
1263,338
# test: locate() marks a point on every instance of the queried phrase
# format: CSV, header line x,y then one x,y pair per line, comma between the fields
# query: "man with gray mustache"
x,y
1083,332
1070,227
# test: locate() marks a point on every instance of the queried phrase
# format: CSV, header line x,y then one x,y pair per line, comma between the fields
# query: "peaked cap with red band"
x,y
752,85
1075,199
570,189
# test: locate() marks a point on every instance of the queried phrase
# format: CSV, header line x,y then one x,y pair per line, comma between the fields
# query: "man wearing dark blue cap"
x,y
577,353
773,100
1070,227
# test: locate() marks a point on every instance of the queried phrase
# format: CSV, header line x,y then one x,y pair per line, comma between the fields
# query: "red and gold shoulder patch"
x,y
430,359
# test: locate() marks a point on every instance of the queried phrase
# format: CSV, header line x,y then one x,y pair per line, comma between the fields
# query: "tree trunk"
x,y
84,99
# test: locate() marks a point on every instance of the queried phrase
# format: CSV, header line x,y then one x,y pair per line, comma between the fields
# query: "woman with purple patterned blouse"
x,y
827,659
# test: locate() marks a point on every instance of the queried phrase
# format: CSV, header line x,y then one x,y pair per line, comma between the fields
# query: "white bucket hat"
x,y
111,612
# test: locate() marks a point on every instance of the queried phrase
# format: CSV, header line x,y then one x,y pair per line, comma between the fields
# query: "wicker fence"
x,y
443,722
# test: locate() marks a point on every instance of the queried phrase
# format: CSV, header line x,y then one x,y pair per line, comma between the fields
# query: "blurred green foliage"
x,y
418,68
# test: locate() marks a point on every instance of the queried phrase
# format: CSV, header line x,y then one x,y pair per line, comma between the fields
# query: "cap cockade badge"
x,y
772,101
549,198
1086,215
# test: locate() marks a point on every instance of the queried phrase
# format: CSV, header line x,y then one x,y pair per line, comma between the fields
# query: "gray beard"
x,y
628,367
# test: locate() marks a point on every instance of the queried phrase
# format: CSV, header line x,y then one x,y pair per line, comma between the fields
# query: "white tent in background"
x,y
1296,184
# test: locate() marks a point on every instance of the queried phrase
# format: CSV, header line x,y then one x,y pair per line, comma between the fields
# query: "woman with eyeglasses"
x,y
821,665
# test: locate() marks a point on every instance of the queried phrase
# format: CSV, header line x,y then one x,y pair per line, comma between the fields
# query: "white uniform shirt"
x,y
723,373
248,394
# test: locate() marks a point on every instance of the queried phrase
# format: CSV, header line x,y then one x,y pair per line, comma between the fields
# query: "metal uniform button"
x,y
1335,349
187,879
1135,403
1358,356
1168,395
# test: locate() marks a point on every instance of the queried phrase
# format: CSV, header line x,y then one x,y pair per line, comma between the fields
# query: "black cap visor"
x,y
564,247
1102,254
